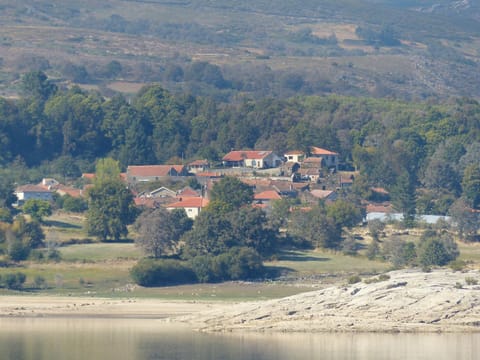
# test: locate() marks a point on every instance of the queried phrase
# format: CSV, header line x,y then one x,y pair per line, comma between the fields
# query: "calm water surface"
x,y
55,339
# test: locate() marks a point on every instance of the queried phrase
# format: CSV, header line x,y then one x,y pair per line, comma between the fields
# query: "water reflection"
x,y
67,338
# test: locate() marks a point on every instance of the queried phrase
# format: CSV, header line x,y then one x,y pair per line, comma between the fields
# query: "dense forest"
x,y
433,148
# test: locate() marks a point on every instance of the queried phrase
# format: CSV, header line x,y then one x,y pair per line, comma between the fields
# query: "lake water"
x,y
71,338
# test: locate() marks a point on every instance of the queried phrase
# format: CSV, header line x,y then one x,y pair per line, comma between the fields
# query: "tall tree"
x,y
159,231
110,210
36,84
232,191
107,169
471,185
404,198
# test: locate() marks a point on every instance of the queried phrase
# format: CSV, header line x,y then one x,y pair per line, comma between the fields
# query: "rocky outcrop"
x,y
407,301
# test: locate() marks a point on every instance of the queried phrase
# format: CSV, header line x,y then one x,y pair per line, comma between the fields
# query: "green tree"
x,y
232,191
74,204
250,228
437,248
110,210
37,209
211,235
36,84
315,227
465,221
344,213
404,198
159,231
471,185
107,170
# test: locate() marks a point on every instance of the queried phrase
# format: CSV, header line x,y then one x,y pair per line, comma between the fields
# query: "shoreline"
x,y
409,301
45,306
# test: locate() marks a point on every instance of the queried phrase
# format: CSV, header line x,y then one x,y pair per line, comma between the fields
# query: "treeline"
x,y
397,145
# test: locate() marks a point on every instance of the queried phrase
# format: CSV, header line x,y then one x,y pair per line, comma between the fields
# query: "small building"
x,y
198,166
326,195
162,192
330,157
295,156
36,192
252,159
192,205
264,199
145,173
309,174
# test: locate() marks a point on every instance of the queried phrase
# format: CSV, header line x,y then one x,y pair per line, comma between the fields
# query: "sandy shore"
x,y
51,306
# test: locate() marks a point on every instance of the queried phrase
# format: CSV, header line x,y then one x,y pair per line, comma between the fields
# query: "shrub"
x,y
14,281
471,281
149,272
39,282
354,279
239,263
17,251
458,265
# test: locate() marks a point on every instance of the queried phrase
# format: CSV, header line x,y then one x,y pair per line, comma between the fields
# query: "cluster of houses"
x,y
308,176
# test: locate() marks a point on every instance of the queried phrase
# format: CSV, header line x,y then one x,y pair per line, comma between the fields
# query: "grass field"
x,y
102,269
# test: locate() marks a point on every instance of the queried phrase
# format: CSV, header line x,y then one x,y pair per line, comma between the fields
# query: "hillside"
x,y
415,50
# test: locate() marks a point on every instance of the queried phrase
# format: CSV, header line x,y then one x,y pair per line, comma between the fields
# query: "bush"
x,y
239,263
471,281
458,265
149,272
13,281
17,251
39,282
354,279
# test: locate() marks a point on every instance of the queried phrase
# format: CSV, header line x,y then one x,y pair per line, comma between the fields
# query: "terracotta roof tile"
x,y
319,151
239,155
189,202
267,195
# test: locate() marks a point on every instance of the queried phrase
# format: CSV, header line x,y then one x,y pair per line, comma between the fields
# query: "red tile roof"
x,y
189,202
295,152
187,192
268,195
319,151
321,194
313,160
209,174
151,170
379,207
32,188
199,163
239,155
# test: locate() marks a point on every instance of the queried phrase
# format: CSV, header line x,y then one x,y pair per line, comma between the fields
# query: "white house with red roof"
x,y
192,205
198,166
330,158
36,192
257,159
296,156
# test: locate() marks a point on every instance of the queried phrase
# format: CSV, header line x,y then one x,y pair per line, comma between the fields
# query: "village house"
x,y
145,173
252,159
192,205
198,166
295,156
161,192
264,199
330,158
325,195
36,192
